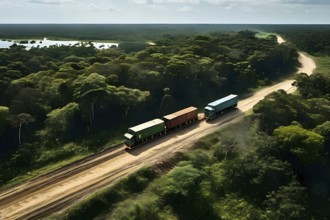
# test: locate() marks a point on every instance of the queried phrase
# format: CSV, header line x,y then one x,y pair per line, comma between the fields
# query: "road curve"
x,y
50,193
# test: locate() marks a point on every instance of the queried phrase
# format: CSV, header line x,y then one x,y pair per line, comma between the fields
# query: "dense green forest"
x,y
63,101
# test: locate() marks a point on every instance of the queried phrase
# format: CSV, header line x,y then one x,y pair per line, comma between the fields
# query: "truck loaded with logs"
x,y
147,131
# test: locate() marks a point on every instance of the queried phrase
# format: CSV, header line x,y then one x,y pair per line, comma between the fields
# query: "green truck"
x,y
144,132
219,106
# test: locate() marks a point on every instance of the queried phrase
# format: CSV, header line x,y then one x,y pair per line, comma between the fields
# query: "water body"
x,y
46,43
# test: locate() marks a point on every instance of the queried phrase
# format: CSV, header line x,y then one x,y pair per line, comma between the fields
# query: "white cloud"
x,y
158,2
49,2
307,2
179,1
234,2
159,7
6,4
138,1
186,9
101,7
224,3
142,1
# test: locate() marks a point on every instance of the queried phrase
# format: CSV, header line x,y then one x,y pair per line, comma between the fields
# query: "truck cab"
x,y
209,113
129,140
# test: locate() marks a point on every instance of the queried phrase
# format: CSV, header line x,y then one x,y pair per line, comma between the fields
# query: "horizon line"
x,y
160,23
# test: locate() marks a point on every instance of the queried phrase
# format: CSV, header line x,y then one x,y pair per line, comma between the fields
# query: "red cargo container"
x,y
182,117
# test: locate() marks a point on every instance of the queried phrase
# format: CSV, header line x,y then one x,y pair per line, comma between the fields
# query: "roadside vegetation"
x,y
63,102
322,64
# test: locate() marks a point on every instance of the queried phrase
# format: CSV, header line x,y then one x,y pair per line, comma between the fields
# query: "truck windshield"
x,y
208,111
129,139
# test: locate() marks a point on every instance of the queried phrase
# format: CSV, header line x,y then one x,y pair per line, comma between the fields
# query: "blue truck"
x,y
219,106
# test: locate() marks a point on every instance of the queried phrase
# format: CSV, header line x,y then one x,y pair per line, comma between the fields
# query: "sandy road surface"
x,y
308,64
280,40
63,189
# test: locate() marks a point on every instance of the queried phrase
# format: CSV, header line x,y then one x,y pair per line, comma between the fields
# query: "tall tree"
x,y
305,145
19,121
89,99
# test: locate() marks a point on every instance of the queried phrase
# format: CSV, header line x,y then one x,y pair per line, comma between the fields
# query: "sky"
x,y
166,11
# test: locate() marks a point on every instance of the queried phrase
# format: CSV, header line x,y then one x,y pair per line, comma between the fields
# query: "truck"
x,y
143,132
217,107
180,118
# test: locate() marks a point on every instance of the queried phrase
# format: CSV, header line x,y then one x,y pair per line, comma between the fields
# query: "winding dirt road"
x,y
50,193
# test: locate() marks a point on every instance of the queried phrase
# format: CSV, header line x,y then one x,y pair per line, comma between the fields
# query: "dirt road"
x,y
48,194
280,40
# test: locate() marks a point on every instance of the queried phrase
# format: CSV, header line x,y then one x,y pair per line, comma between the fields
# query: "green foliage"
x,y
141,208
235,207
254,177
305,145
23,157
179,184
280,109
84,84
4,115
324,130
288,202
137,182
54,155
185,192
130,47
316,85
60,123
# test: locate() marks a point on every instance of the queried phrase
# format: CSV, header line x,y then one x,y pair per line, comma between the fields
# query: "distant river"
x,y
46,43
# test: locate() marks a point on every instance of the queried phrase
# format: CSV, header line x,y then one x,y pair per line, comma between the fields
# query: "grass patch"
x,y
322,64
264,35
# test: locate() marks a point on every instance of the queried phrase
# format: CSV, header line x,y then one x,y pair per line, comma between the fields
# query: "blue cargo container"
x,y
218,106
